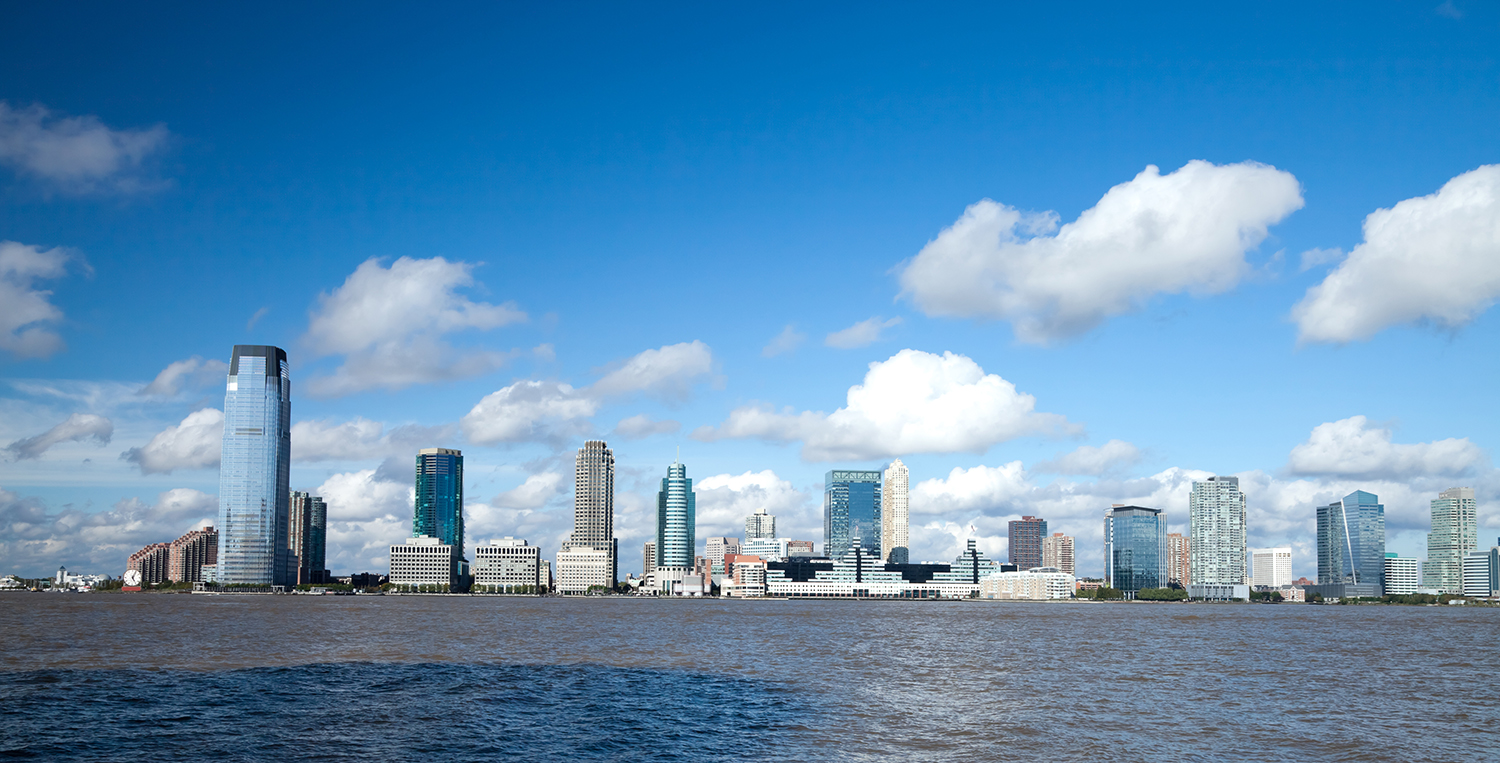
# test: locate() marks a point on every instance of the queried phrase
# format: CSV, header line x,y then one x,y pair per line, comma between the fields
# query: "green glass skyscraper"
x,y
439,510
676,510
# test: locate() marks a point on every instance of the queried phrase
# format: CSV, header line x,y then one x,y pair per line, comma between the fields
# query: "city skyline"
x,y
886,252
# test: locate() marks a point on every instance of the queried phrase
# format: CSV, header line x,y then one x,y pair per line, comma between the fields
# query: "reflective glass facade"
x,y
1351,542
676,510
439,509
255,469
851,509
1135,548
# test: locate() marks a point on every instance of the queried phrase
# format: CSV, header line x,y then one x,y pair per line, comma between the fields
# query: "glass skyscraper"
x,y
1135,548
255,470
308,537
1351,545
1455,532
676,510
439,509
851,509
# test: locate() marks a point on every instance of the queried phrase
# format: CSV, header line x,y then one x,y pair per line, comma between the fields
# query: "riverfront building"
x,y
1057,551
1179,560
153,562
1455,532
1273,567
648,559
187,555
439,507
676,520
894,511
507,563
1135,548
760,525
851,509
579,564
307,540
1036,584
1482,573
716,548
859,574
1216,524
1400,575
255,469
424,561
1025,543
1351,547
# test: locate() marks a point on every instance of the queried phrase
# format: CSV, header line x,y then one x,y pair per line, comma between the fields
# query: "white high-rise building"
x,y
1479,573
894,506
1455,532
760,525
423,561
1400,575
1216,524
578,564
1057,551
1273,567
507,563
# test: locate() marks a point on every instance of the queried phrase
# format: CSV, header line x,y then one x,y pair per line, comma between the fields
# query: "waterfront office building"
x,y
1057,551
307,540
895,504
1455,532
676,526
860,574
1272,566
590,556
255,470
1179,560
439,507
1482,573
1036,584
187,555
851,509
424,561
1135,548
1216,528
760,525
1400,575
1351,547
507,563
1026,542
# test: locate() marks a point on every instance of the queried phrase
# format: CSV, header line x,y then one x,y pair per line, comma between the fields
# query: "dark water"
x,y
117,677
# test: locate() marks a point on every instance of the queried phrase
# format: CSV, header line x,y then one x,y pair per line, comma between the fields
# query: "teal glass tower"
x,y
255,470
1351,545
439,510
676,519
851,509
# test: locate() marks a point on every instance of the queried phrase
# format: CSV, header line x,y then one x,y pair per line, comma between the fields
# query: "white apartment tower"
x,y
1057,551
1455,532
760,525
894,507
1216,528
1273,566
589,557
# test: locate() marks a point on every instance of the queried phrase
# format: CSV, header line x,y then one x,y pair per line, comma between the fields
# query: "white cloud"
x,y
641,426
75,154
1314,257
1433,258
360,439
388,323
25,310
724,500
1187,231
533,493
185,374
862,334
914,402
366,515
976,490
77,428
36,541
1352,448
1090,460
787,341
542,410
195,443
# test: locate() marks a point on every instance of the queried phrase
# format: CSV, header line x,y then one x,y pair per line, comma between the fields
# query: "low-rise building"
x,y
424,561
1481,573
860,574
1035,584
507,563
1218,591
747,577
581,568
768,549
1272,566
1401,575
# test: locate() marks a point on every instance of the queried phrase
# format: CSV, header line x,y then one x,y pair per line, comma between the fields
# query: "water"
x,y
111,677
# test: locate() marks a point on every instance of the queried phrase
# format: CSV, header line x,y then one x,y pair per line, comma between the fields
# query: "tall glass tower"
x,y
308,537
439,509
1135,548
1455,532
1351,544
255,469
851,509
676,509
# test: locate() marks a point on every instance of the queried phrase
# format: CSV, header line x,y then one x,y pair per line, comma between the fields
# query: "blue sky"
x,y
636,202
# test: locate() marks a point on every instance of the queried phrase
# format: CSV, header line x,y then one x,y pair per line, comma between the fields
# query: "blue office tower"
x,y
1351,546
676,519
1135,549
255,470
439,510
851,509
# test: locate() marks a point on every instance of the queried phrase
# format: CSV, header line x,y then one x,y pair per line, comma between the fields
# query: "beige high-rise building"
x,y
1455,532
648,558
895,538
593,522
760,525
715,549
1179,559
1057,551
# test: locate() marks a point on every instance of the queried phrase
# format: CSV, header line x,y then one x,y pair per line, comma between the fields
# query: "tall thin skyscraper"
x,y
760,525
1135,548
594,508
1216,526
255,469
1025,542
439,508
851,509
1455,532
894,511
676,515
1057,551
307,537
1179,560
1351,545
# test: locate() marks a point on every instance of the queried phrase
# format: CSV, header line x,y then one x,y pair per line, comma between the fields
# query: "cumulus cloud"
x,y
724,500
77,428
1353,448
914,402
1187,231
361,439
194,443
1090,460
366,514
787,341
76,154
1433,258
542,410
388,323
35,541
25,311
978,489
533,493
862,334
641,426
186,374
